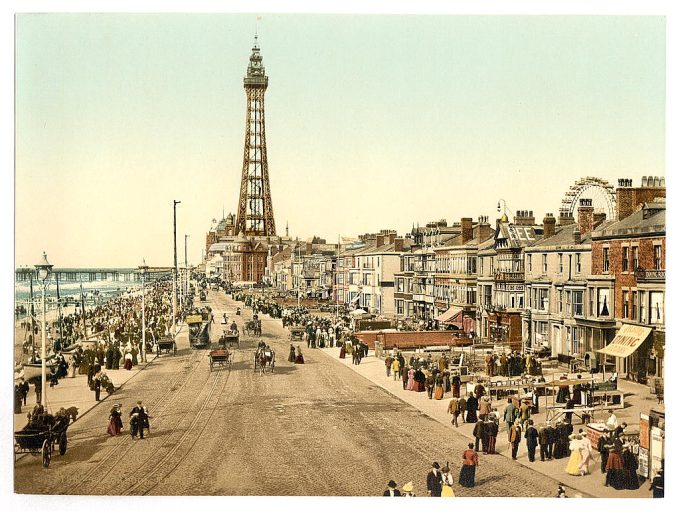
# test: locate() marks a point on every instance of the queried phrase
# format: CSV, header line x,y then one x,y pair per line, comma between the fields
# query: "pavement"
x,y
75,391
638,398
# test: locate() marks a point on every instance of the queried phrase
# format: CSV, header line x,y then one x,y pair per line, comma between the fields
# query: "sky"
x,y
372,122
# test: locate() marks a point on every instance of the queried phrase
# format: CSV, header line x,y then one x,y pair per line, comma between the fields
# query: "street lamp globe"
x,y
43,269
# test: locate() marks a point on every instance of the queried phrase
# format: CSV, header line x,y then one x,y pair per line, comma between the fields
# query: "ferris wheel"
x,y
599,190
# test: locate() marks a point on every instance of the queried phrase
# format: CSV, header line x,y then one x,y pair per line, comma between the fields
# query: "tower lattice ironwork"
x,y
255,212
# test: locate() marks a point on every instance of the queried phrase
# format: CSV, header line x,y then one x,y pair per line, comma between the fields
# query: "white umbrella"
x,y
357,312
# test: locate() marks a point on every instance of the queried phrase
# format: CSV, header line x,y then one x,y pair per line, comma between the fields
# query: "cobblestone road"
x,y
312,429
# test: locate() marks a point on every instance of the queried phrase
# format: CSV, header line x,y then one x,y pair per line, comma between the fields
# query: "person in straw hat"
x,y
408,490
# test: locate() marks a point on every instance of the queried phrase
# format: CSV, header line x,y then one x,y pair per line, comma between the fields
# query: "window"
x,y
578,263
657,257
603,303
400,307
529,262
624,259
635,306
591,301
605,260
575,341
544,257
487,295
560,297
481,266
578,303
643,308
560,263
400,287
635,258
625,304
656,308
543,299
367,300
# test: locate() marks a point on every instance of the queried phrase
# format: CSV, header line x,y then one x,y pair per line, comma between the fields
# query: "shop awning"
x,y
627,340
447,317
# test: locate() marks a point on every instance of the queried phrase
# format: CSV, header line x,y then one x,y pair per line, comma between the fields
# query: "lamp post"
x,y
143,268
43,270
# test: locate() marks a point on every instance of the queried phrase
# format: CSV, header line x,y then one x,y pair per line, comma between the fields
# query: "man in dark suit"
x,y
434,481
531,436
543,442
391,490
139,420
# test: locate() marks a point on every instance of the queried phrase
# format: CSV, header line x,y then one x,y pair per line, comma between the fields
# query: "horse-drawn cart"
x,y
264,358
40,439
253,327
296,333
229,338
220,358
167,345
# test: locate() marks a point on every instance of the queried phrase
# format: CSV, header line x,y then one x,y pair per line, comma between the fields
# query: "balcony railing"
x,y
650,275
509,276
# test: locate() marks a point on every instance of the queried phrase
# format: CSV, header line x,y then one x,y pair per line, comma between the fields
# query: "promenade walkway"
x,y
638,399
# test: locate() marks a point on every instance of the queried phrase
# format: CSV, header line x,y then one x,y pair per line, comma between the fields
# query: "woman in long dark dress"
x,y
616,475
419,379
630,466
467,471
291,354
115,422
471,406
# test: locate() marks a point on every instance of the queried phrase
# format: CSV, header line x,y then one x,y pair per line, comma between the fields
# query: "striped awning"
x,y
449,315
627,340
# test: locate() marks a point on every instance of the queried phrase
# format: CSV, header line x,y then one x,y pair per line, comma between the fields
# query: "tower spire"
x,y
255,215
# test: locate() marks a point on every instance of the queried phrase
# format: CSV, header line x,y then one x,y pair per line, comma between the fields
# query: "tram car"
x,y
199,331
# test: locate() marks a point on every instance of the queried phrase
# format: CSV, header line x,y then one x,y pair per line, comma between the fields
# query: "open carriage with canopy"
x,y
229,338
297,333
220,358
167,345
41,436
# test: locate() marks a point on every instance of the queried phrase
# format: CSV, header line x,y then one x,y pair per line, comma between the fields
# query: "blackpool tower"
x,y
255,212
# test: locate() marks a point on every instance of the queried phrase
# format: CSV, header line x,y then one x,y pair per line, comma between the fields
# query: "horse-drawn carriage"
x,y
253,327
166,344
265,358
199,331
296,333
40,435
220,358
229,338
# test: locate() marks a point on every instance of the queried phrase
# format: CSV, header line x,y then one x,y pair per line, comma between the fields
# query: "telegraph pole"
x,y
174,271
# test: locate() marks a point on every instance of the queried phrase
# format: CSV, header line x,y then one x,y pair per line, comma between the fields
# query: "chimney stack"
x,y
399,244
577,235
466,229
566,218
629,199
484,231
548,225
598,218
379,240
585,216
393,236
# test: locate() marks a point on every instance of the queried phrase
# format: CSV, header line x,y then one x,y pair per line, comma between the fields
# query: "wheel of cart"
x,y
46,452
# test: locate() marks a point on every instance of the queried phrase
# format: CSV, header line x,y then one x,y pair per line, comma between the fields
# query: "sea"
x,y
93,291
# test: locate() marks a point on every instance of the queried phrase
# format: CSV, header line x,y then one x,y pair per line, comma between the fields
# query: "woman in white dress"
x,y
586,455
